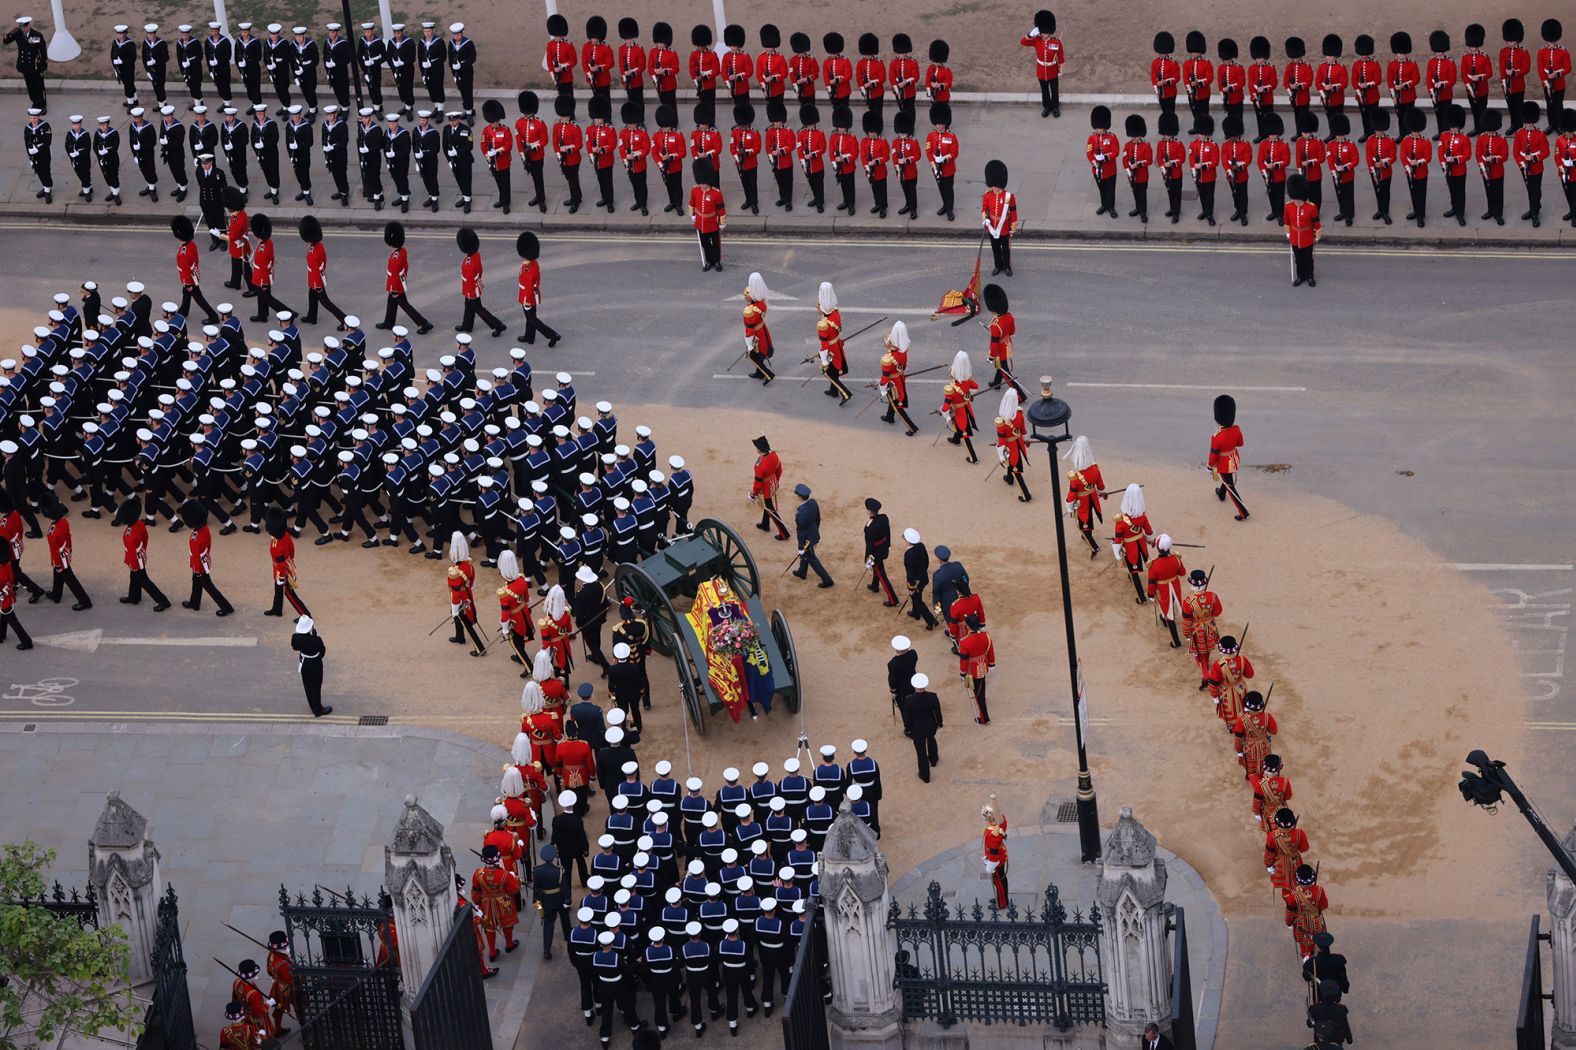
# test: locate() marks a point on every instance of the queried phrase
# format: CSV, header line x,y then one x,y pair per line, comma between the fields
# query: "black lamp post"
x,y
1048,418
1488,790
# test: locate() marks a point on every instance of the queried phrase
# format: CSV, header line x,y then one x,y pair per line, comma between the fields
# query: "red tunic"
x,y
1170,154
1136,159
812,149
602,144
471,276
1002,328
493,890
462,600
263,264
1232,80
498,146
1198,621
704,68
1515,62
631,64
999,209
1269,793
201,547
316,266
247,994
1365,81
135,540
1330,81
530,138
60,544
804,71
662,63
903,72
668,150
1403,77
282,990
576,765
561,61
567,142
976,655
1133,532
844,151
1048,56
1283,850
707,209
938,82
1166,574
545,731
1309,153
1263,79
1198,74
634,144
1441,74
1253,730
1299,81
941,149
187,263
1203,158
771,72
838,73
1554,64
737,68
744,146
530,282
1083,492
1164,72
281,553
236,233
1528,148
870,73
398,270
596,62
1102,150
1227,680
768,475
1225,450
706,144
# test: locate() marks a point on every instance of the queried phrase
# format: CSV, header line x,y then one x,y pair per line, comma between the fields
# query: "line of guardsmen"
x,y
684,890
128,410
1282,146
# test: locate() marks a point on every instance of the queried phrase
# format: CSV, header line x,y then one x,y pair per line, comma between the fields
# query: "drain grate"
x,y
30,727
1067,813
373,720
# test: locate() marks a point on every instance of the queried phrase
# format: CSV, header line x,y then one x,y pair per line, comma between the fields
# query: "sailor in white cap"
x,y
154,54
432,56
462,66
189,61
141,139
299,140
398,144
36,137
338,58
865,775
216,54
916,573
371,55
106,147
304,62
248,52
263,134
400,56
124,60
79,151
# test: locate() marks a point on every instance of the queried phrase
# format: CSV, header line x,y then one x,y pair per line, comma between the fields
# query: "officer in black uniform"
x,y
550,894
461,153
32,60
211,198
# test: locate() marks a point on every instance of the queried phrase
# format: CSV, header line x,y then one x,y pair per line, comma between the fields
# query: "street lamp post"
x,y
1047,416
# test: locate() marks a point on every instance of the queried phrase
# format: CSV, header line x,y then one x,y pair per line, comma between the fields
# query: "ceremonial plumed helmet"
x,y
776,111
1295,48
1340,124
1227,49
527,246
800,42
1438,41
869,44
1205,125
529,103
1364,44
667,117
1332,45
181,226
1272,763
1417,120
262,226
941,113
1195,42
1475,34
771,37
1100,118
234,199
1381,119
940,50
1512,31
872,123
733,35
492,110
1285,818
1231,126
596,27
466,240
700,36
564,106
1045,21
1552,30
1225,411
628,28
394,234
808,114
557,25
1307,122
902,44
1456,116
1306,876
1401,43
1135,126
599,108
1167,124
662,33
995,174
1254,700
629,113
1259,47
832,42
703,173
995,298
1165,43
842,117
703,114
310,229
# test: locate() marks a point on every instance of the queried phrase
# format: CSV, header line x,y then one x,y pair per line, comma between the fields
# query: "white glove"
x,y
1034,32
1116,551
454,610
870,563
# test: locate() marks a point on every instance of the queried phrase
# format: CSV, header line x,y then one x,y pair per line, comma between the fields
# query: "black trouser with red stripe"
x,y
879,580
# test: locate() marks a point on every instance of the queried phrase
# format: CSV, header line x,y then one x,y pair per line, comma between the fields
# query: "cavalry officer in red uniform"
x,y
634,146
529,248
60,560
873,154
1199,612
976,657
1165,585
494,890
1165,72
1227,680
317,273
1284,845
994,843
999,216
894,390
1529,148
1306,903
833,358
1253,729
281,557
878,545
708,213
958,419
1137,157
1367,75
1102,151
1236,156
744,146
462,597
1012,451
941,150
555,627
1515,63
1225,453
1130,544
1330,78
1198,76
1553,65
763,490
1170,155
757,337
543,726
1271,788
471,283
1301,219
398,272
1001,330
282,990
512,821
1085,485
195,517
1048,60
514,603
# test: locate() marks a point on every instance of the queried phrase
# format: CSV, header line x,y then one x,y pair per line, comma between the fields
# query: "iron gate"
x,y
168,1025
804,1009
999,966
346,964
1184,1034
450,1010
81,908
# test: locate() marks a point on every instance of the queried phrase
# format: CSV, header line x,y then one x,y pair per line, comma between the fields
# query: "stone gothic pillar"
x,y
865,1013
1562,938
1133,951
418,872
123,869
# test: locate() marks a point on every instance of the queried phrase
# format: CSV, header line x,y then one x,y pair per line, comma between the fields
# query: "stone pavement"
x,y
1056,197
1048,853
236,810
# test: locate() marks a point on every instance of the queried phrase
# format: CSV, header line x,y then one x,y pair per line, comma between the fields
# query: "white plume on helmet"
x,y
1080,455
898,337
1009,405
962,369
512,785
1133,500
756,286
459,549
521,751
508,566
531,699
554,603
826,297
542,665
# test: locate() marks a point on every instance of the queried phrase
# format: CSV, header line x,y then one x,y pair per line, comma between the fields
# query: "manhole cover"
x,y
373,720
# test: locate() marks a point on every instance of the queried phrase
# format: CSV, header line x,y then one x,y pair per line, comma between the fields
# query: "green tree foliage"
x,y
58,977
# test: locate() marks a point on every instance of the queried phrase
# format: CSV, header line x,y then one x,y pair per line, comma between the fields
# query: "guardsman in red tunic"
x,y
262,277
1199,612
1553,65
498,147
994,846
958,419
1001,330
842,152
1170,156
1227,680
576,768
529,248
781,145
1049,57
870,74
1271,788
757,337
596,58
1231,78
1341,152
237,238
771,65
1380,153
738,65
1274,161
976,657
1515,63
744,146
662,63
1137,156
8,619
1203,160
873,154
1298,79
903,72
1301,219
317,273
282,990
494,890
634,146
763,489
1306,903
706,140
1416,151
941,150
1102,151
561,56
568,141
708,213
239,1034
545,728
188,268
1367,75
1254,729
1439,77
668,150
1529,148
396,274
1330,78
1477,70
705,67
804,69
632,65
1307,151
905,161
837,71
1166,572
60,560
1284,845
1564,158
244,990
471,283
1455,153
1236,156
281,557
601,140
1165,72
1225,453
134,539
1130,544
1198,76
1085,486
200,546
999,216
1402,76
1263,79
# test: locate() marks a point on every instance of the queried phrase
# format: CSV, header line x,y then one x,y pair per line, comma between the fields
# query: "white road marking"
x,y
1194,386
1473,566
846,379
89,641
771,297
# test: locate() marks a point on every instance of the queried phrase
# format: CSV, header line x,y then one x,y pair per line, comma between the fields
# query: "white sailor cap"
x,y
183,28
398,27
451,458
244,25
123,28
620,451
920,681
347,456
359,434
366,111
335,26
298,451
151,27
620,503
643,431
295,110
200,108
435,469
457,27
828,750
299,30
584,422
331,108
533,440
538,487
138,111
